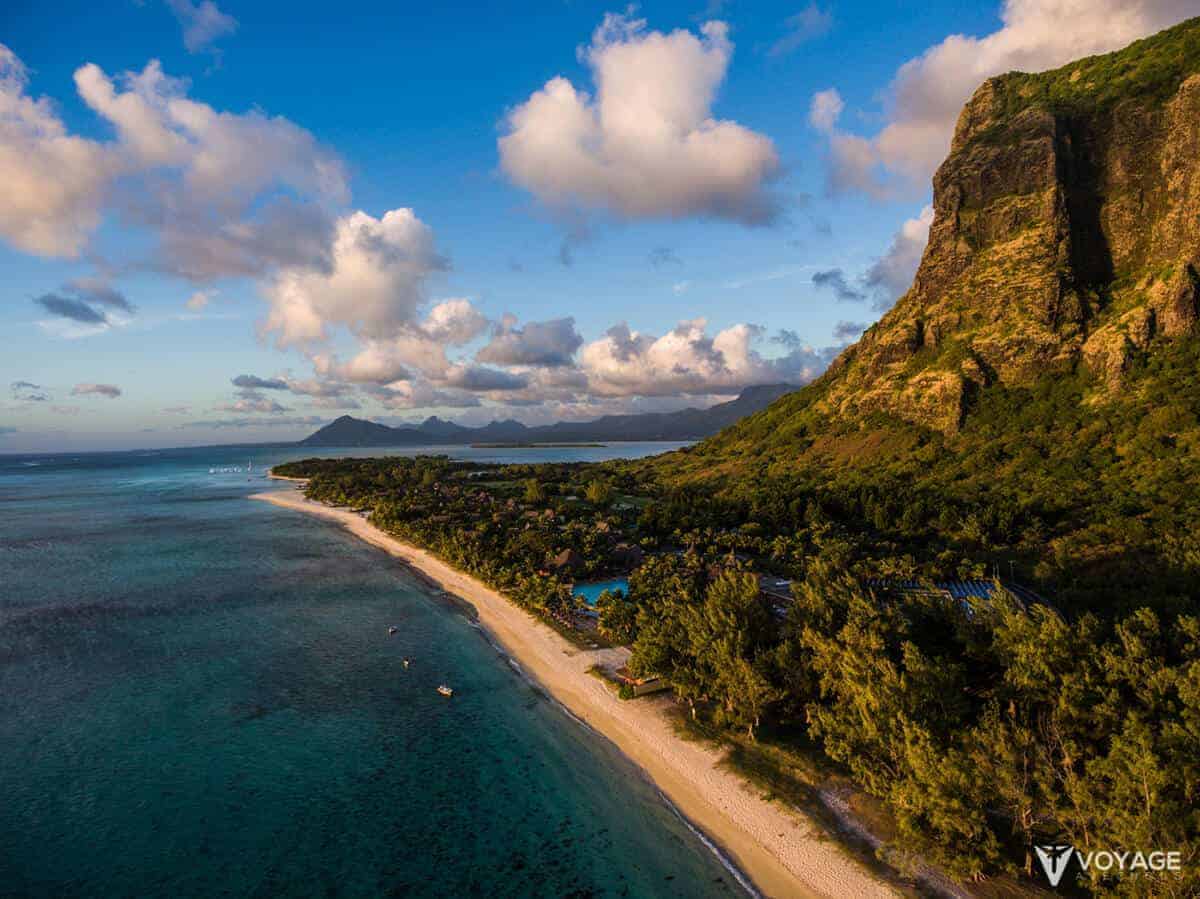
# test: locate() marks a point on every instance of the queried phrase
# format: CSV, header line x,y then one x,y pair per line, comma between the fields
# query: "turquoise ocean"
x,y
199,697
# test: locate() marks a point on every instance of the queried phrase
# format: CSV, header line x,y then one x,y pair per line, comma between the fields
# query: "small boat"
x,y
407,660
393,630
445,691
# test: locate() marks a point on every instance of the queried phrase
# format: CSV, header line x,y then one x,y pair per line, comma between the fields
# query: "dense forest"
x,y
1094,504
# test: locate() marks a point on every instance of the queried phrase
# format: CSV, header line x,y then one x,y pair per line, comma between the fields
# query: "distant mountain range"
x,y
686,424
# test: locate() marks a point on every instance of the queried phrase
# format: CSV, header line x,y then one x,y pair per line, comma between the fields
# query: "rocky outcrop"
x,y
1066,232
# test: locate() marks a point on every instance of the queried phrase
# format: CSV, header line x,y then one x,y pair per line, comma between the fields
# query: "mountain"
x,y
1065,231
349,431
1035,395
686,424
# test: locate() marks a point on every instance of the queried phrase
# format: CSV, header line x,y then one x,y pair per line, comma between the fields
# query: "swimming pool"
x,y
591,592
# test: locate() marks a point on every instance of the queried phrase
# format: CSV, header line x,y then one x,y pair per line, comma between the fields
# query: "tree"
x,y
731,636
535,494
598,493
617,617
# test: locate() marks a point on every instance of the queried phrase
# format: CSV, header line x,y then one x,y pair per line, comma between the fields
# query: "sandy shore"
x,y
782,852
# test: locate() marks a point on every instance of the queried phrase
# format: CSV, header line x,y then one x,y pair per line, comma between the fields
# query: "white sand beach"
x,y
784,853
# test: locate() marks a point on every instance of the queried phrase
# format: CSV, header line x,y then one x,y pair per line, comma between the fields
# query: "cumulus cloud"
x,y
454,322
86,389
892,274
220,193
811,22
548,343
418,346
835,280
254,382
54,183
686,360
647,144
378,362
374,284
202,23
927,93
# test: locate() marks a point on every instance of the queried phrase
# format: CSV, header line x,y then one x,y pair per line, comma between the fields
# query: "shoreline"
x,y
780,851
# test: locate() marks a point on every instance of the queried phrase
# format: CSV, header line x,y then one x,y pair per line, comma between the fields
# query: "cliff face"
x,y
1066,232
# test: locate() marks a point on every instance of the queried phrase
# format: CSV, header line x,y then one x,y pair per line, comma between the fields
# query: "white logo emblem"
x,y
1054,861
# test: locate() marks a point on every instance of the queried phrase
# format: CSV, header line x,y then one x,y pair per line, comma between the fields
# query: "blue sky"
x,y
408,107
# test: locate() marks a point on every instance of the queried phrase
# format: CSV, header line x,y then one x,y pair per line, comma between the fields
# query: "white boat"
x,y
393,630
445,691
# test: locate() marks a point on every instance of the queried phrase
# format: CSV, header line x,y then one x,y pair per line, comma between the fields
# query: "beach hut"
x,y
567,561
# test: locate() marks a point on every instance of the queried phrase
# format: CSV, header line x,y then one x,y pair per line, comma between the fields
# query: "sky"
x,y
226,222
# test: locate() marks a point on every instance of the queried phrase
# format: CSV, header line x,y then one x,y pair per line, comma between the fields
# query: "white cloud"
x,y
55,184
686,360
202,23
892,274
647,145
928,92
222,193
454,322
373,286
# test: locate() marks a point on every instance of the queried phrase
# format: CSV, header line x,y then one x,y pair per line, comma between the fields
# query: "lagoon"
x,y
198,695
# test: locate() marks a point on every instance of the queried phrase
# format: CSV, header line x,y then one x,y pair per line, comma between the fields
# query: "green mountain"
x,y
1033,401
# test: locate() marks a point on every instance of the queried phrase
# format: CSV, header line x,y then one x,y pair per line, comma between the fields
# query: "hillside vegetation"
x,y
1032,404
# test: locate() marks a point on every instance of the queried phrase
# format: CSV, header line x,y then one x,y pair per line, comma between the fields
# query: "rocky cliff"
x,y
1066,232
